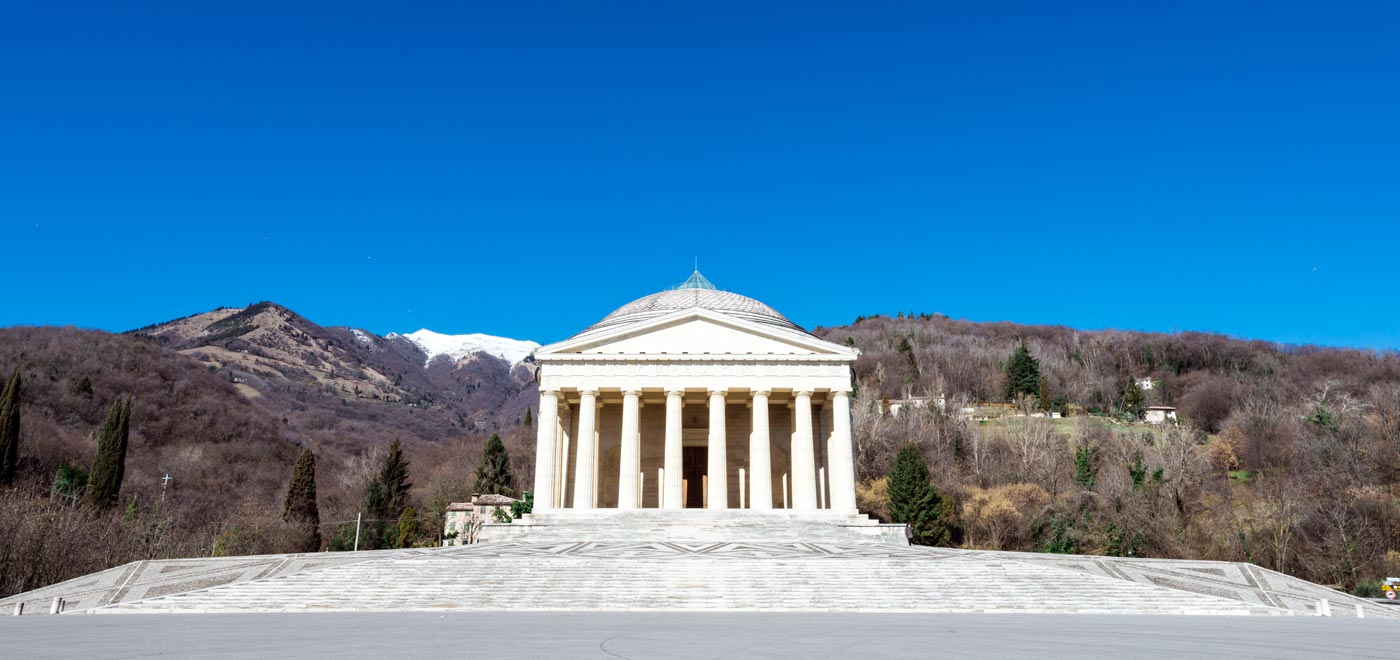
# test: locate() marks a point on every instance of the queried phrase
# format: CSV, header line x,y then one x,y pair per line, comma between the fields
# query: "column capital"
x,y
754,393
675,391
549,392
806,393
592,393
840,393
719,392
631,392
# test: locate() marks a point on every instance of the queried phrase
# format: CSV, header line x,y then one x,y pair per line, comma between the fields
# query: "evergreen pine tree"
x,y
1137,470
1084,471
914,500
9,429
373,536
493,473
911,362
108,465
386,496
1022,374
300,507
1133,398
529,419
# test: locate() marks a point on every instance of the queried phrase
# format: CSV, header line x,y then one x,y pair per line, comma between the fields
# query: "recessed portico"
x,y
695,398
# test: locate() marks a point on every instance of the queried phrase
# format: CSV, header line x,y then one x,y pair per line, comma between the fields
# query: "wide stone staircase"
x,y
673,576
695,561
694,525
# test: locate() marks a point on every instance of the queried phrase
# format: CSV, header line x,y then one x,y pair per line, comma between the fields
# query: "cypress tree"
x,y
1043,393
1022,374
393,479
493,473
406,531
9,429
529,420
123,434
109,464
914,500
300,507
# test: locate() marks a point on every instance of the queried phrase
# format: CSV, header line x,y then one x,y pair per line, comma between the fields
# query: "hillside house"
x,y
1160,415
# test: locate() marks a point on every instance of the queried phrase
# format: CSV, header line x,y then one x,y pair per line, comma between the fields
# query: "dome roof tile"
x,y
689,296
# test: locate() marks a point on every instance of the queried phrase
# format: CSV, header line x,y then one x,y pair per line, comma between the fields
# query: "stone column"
x,y
760,461
566,420
585,468
841,456
630,465
672,497
804,467
719,454
546,444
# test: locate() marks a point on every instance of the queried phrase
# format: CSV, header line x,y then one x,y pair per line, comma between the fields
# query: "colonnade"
x,y
552,452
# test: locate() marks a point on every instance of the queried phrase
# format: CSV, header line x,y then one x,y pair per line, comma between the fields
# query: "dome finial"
x,y
697,281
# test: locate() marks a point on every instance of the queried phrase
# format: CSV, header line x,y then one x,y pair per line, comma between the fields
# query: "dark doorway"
x,y
695,462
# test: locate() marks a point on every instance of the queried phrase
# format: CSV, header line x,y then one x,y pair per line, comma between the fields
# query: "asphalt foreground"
x,y
689,635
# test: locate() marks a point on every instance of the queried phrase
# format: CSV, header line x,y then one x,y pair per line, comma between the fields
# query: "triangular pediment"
x,y
696,332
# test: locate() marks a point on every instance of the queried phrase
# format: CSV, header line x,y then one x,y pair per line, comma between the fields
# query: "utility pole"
x,y
357,531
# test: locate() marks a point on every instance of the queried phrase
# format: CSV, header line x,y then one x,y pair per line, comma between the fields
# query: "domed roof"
x,y
695,292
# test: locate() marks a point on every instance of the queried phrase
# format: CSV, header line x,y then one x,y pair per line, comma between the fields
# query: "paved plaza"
x,y
733,636
688,575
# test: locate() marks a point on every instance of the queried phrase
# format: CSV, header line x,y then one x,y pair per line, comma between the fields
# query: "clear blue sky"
x,y
522,168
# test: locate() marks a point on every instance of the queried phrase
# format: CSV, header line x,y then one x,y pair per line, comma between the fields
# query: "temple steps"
x,y
679,577
697,561
696,526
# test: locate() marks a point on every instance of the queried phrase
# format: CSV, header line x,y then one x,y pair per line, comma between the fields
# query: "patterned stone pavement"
x,y
1233,580
161,577
676,575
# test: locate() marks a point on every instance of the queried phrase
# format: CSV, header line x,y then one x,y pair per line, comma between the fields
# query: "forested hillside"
x,y
1287,456
226,430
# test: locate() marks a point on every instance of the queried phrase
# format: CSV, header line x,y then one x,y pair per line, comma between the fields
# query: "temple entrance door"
x,y
694,463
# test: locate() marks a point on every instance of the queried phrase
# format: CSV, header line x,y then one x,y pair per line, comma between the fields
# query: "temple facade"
x,y
695,398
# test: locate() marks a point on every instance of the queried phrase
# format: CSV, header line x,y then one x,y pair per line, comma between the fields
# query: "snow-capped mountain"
x,y
459,346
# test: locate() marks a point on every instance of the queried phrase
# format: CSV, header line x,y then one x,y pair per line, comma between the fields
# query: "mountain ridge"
x,y
292,366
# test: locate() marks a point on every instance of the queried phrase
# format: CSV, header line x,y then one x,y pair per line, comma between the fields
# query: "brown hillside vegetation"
x,y
221,450
1287,456
228,450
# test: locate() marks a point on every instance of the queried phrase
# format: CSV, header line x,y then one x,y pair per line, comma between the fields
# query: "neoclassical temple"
x,y
695,398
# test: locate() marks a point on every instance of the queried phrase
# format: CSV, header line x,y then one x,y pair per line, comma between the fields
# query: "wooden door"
x,y
694,464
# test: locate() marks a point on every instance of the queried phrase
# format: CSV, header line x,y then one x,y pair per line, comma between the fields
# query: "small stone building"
x,y
463,520
1160,415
